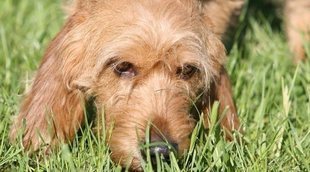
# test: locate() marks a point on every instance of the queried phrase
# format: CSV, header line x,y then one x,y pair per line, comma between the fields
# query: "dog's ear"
x,y
52,110
220,90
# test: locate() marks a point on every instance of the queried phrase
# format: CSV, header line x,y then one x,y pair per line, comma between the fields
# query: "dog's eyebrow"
x,y
110,61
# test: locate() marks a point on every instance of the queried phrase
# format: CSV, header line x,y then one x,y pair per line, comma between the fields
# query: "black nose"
x,y
158,144
161,150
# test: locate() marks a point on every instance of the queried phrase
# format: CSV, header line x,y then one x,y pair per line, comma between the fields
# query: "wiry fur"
x,y
158,37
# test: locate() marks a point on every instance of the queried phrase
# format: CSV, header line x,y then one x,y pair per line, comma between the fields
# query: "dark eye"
x,y
125,69
186,71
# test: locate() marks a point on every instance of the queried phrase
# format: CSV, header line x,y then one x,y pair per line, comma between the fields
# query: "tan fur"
x,y
158,38
222,14
297,15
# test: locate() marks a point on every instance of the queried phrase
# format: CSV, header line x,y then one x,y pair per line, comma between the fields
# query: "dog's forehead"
x,y
155,29
148,31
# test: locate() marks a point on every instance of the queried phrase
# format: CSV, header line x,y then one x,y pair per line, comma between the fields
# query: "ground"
x,y
272,95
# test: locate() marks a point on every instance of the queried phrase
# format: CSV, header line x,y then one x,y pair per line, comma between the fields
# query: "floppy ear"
x,y
229,120
221,91
52,111
220,88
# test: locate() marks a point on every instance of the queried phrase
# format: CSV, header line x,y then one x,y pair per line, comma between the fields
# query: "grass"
x,y
272,95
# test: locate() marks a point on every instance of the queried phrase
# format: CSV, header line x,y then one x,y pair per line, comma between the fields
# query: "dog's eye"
x,y
124,69
186,71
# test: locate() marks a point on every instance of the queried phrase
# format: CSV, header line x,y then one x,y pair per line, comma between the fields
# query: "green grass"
x,y
272,95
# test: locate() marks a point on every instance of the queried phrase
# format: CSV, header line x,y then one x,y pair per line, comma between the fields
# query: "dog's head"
x,y
144,63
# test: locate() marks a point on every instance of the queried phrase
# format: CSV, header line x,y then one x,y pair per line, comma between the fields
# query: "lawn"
x,y
272,95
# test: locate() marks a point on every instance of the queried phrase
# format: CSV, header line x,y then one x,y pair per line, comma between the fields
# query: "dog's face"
x,y
145,64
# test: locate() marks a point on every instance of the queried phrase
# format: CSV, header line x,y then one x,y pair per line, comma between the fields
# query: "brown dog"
x,y
142,62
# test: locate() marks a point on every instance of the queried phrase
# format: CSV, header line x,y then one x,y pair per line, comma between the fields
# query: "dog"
x,y
144,64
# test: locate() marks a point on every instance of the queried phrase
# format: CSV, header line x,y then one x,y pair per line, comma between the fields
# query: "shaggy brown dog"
x,y
142,62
